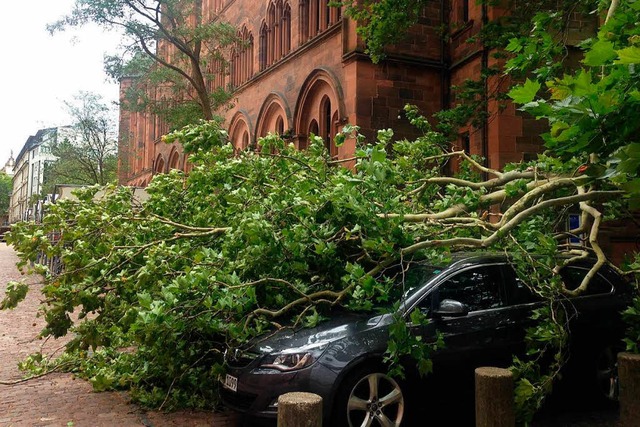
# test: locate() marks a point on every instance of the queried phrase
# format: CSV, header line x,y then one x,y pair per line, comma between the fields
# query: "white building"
x,y
9,166
30,173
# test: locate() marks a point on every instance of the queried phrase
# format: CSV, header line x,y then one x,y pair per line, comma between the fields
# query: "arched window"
x,y
316,16
159,164
174,161
245,140
319,110
303,28
242,58
275,33
280,126
271,35
239,132
264,46
286,29
313,128
327,128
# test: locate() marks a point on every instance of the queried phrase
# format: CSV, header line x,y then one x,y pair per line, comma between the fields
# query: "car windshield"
x,y
411,278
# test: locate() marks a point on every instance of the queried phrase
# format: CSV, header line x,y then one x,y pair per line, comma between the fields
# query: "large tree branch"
x,y
466,242
487,185
468,158
601,258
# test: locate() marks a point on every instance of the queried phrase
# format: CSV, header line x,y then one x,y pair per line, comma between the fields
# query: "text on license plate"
x,y
231,382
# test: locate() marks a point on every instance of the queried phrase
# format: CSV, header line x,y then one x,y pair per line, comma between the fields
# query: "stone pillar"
x,y
299,410
494,398
629,374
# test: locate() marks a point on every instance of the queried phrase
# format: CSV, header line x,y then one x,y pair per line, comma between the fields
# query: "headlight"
x,y
289,361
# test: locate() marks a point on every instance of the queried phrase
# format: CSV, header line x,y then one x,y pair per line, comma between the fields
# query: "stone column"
x,y
629,374
494,398
299,410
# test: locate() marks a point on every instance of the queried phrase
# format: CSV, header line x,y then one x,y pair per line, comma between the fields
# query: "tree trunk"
x,y
200,87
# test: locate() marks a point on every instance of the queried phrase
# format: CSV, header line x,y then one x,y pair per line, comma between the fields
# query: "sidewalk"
x,y
59,399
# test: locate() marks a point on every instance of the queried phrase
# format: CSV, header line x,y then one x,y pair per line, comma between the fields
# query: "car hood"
x,y
307,339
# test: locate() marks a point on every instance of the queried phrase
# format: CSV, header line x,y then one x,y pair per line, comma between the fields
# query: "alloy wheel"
x,y
375,400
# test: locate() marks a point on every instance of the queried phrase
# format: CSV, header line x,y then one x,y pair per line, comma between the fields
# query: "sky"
x,y
38,71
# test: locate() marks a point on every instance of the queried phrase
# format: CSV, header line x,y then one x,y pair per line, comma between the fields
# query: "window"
x,y
245,140
478,288
325,115
242,58
517,291
264,46
572,277
316,16
280,126
275,34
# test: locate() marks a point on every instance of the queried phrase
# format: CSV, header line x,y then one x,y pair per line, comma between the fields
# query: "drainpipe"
x,y
485,65
445,76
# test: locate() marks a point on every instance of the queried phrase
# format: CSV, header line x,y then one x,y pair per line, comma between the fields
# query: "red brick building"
x,y
303,70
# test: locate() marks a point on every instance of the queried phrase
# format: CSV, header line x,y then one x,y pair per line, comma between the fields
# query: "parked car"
x,y
477,303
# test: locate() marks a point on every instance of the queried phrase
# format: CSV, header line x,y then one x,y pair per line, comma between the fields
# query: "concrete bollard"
x,y
299,410
494,398
629,377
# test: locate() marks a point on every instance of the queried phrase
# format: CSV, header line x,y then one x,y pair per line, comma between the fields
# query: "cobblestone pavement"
x,y
59,399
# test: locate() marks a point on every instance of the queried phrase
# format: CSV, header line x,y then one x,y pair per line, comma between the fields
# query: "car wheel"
x,y
369,397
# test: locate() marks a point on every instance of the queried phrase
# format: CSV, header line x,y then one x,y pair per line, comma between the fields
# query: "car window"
x,y
479,288
413,278
517,291
573,275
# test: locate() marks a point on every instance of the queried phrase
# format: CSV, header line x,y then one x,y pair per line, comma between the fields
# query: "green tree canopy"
x,y
87,153
6,188
169,47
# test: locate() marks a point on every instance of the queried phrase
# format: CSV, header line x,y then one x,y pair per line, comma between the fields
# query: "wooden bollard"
x,y
494,398
629,377
299,410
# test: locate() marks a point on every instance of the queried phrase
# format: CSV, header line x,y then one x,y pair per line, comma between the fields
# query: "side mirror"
x,y
451,308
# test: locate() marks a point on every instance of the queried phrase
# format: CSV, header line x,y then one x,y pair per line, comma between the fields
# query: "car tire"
x,y
369,397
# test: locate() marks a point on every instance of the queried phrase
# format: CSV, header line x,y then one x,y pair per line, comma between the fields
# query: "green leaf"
x,y
378,154
629,55
600,53
632,187
525,93
514,45
15,293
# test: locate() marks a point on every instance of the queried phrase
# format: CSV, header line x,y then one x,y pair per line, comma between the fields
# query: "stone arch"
x,y
274,114
159,166
240,131
174,160
320,102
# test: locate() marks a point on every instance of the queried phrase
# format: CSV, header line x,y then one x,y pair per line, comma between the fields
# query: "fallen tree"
x,y
251,241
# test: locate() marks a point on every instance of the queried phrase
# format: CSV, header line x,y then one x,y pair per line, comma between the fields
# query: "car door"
x,y
478,337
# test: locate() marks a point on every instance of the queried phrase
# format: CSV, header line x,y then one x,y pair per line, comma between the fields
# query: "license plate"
x,y
231,382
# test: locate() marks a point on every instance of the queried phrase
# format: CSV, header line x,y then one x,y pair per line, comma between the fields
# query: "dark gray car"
x,y
476,302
